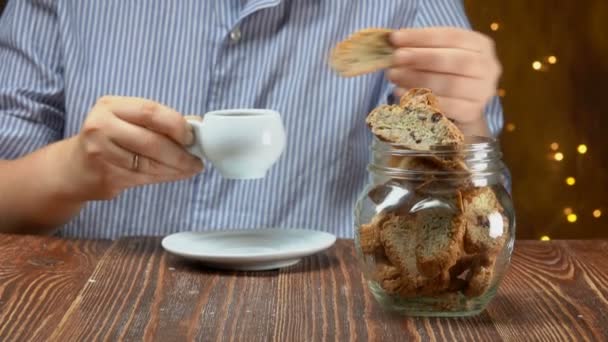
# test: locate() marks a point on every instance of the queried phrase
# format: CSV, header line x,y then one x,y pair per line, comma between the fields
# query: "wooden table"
x,y
130,289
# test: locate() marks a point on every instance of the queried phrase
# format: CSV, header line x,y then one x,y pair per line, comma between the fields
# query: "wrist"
x,y
67,179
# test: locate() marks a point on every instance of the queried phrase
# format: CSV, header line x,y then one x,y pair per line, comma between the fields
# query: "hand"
x,y
126,142
459,66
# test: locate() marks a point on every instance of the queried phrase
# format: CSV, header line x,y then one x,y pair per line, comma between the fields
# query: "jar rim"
x,y
478,156
471,144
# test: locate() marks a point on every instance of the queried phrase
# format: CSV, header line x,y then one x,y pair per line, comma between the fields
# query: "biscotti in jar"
x,y
434,228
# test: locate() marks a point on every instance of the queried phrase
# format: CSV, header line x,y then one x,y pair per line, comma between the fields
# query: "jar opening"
x,y
476,157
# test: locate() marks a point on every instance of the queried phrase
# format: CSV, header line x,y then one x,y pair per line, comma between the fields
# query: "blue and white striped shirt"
x,y
58,56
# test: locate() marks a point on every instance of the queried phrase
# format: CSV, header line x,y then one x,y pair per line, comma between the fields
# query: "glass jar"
x,y
435,229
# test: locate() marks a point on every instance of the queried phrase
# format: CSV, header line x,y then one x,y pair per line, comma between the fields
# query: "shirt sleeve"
x,y
452,13
31,81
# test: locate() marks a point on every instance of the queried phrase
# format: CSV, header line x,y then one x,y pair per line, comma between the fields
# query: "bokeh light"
x,y
558,156
582,148
552,59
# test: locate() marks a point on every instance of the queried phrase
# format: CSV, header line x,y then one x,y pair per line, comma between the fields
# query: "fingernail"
x,y
391,74
189,136
396,36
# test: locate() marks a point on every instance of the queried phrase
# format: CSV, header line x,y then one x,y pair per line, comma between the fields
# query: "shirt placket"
x,y
228,34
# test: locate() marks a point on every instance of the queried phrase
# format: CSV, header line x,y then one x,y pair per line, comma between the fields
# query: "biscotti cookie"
x,y
486,224
388,276
413,124
416,129
365,51
399,239
419,97
480,279
369,234
439,244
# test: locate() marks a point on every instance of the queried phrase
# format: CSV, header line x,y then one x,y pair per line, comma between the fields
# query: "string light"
x,y
552,59
554,146
494,26
572,218
536,65
582,148
567,211
545,238
501,92
597,213
570,181
510,127
558,156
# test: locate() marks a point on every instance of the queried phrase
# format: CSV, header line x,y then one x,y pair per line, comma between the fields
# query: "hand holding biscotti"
x,y
460,66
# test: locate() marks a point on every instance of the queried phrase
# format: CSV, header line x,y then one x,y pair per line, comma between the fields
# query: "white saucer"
x,y
248,250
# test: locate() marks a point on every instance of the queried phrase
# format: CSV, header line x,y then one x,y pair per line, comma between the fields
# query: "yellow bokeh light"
x,y
552,59
572,218
570,181
554,146
545,238
597,213
582,148
510,127
536,65
501,92
494,26
567,211
558,156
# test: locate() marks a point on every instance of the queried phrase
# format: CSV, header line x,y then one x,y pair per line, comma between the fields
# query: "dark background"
x,y
563,102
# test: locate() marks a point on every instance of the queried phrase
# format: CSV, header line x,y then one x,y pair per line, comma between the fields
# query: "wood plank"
x,y
140,292
118,298
333,303
551,293
39,279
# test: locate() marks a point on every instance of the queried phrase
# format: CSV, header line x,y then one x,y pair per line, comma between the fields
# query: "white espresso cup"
x,y
239,143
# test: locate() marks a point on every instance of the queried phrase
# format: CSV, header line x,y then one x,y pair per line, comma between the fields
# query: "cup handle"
x,y
196,148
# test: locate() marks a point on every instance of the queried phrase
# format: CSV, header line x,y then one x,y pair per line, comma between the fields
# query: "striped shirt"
x,y
58,56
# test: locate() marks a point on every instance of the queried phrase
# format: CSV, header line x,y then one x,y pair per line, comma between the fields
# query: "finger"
x,y
442,37
155,179
457,109
444,60
193,117
398,92
462,111
441,84
128,178
149,114
154,168
146,143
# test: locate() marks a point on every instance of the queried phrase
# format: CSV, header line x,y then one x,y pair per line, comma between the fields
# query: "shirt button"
x,y
235,35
